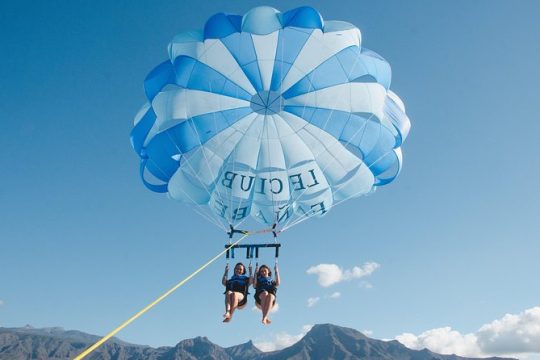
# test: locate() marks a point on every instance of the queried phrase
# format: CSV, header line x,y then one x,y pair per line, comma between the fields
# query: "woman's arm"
x,y
224,279
250,278
254,278
276,272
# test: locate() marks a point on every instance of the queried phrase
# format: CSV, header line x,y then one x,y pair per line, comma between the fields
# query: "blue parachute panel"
x,y
158,78
221,25
348,65
240,45
141,130
192,74
304,17
290,44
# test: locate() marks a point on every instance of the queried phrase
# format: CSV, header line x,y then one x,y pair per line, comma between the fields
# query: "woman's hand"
x,y
276,273
224,278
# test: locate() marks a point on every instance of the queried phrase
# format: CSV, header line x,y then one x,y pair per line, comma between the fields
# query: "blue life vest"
x,y
265,284
238,283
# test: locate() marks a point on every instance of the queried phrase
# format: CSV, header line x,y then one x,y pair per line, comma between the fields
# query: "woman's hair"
x,y
243,268
264,266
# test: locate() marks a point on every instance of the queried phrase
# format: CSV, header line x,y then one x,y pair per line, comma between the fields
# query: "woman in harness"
x,y
265,290
236,289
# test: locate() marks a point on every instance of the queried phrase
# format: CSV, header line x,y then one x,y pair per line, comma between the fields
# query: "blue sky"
x,y
441,254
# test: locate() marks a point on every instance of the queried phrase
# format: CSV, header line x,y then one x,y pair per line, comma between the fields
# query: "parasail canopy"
x,y
274,116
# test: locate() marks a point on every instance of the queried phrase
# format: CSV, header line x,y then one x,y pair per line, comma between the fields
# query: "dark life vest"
x,y
238,283
266,284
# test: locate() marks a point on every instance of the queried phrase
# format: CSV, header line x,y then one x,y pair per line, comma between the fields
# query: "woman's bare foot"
x,y
266,321
227,317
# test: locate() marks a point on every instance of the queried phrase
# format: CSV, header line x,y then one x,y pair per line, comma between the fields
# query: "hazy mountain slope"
x,y
323,342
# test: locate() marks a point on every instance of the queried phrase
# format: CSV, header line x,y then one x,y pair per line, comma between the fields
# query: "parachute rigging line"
x,y
293,222
197,208
215,219
155,302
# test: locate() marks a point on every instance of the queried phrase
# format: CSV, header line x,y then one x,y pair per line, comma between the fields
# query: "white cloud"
x,y
282,340
529,356
275,309
1,302
510,335
359,272
312,301
335,295
443,341
330,274
367,332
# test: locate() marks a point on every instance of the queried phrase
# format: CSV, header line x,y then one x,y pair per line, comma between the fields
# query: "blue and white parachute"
x,y
274,116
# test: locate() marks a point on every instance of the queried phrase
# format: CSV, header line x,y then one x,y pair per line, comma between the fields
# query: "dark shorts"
x,y
257,293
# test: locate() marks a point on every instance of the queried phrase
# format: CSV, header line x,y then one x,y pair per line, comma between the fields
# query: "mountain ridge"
x,y
322,342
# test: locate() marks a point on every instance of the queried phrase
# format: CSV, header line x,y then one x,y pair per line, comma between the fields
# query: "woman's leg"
x,y
267,302
227,314
234,298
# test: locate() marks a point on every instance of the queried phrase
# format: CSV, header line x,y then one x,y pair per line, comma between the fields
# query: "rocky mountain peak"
x,y
324,341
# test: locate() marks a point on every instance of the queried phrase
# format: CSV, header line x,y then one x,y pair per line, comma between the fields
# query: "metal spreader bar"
x,y
252,250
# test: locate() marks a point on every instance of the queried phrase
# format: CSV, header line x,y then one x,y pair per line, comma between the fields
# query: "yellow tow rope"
x,y
155,302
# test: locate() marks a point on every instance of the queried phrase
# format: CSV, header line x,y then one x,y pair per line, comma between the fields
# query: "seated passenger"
x,y
265,290
236,289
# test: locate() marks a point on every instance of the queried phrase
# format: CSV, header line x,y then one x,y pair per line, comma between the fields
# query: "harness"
x,y
266,284
238,283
